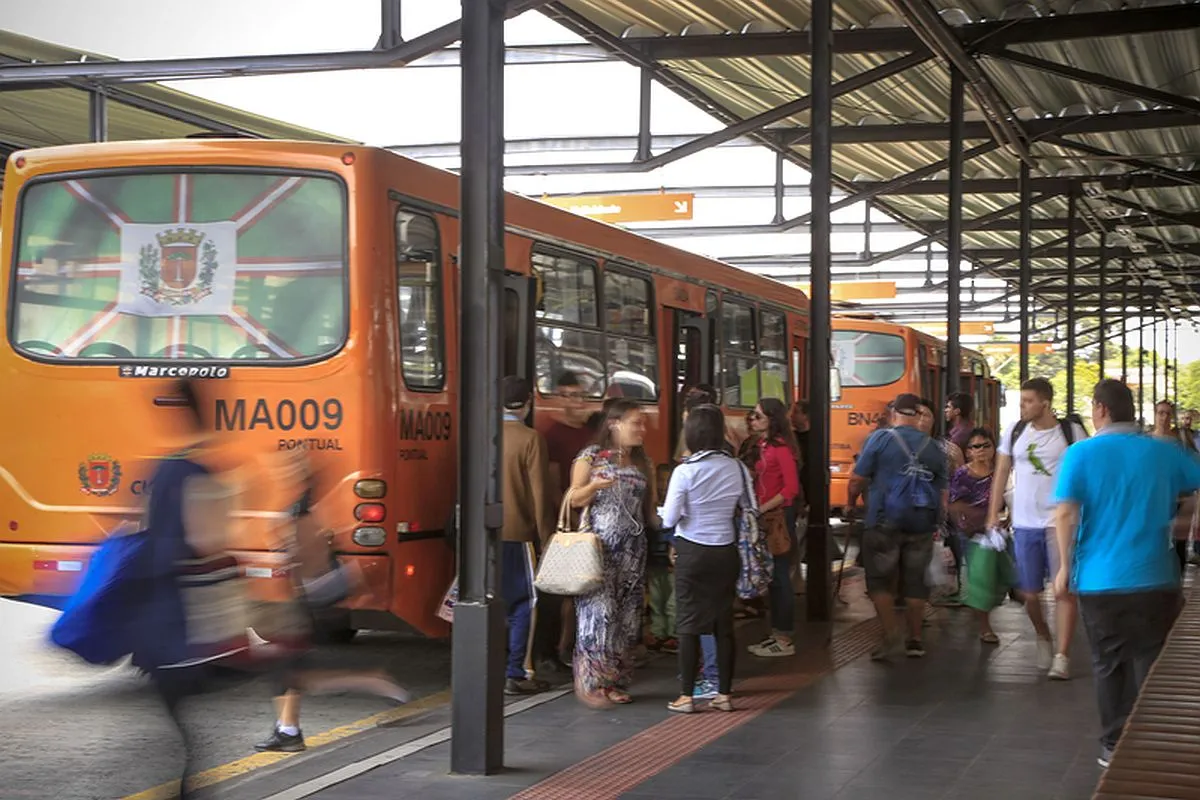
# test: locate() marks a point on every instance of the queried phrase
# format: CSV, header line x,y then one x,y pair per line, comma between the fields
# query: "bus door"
x,y
692,365
519,295
799,368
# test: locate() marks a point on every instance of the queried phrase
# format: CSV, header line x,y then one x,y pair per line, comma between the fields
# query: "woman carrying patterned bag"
x,y
613,480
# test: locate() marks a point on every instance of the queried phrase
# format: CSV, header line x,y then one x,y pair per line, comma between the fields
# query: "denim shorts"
x,y
889,554
1036,552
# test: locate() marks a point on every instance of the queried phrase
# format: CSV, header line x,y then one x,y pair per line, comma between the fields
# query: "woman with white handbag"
x,y
612,481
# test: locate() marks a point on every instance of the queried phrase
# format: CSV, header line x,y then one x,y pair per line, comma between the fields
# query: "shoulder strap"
x,y
1068,430
912,457
1017,430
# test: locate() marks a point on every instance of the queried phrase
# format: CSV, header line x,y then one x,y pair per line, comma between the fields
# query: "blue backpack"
x,y
911,503
126,604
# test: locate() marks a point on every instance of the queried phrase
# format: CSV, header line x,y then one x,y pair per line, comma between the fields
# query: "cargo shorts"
x,y
888,553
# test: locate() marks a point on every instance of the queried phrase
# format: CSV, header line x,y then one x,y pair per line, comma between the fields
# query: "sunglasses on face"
x,y
979,446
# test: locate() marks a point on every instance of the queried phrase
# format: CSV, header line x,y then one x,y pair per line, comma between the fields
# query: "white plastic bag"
x,y
936,574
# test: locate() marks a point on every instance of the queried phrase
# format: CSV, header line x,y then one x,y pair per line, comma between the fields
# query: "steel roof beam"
x,y
1111,183
1063,27
240,66
1117,158
1163,217
1097,79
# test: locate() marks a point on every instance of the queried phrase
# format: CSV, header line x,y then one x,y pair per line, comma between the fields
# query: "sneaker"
x,y
1105,758
887,649
1045,654
513,686
914,648
654,644
280,742
669,645
773,648
705,690
1060,668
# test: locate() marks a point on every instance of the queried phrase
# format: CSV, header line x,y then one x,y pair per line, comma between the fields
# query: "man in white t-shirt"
x,y
1032,451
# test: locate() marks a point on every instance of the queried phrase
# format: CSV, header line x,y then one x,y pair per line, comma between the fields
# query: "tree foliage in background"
x,y
1189,385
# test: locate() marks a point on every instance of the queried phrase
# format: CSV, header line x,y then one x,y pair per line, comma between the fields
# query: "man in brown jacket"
x,y
527,518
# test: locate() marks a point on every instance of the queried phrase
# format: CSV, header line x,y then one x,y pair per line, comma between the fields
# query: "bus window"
x,y
568,336
772,347
632,351
868,359
167,265
740,374
419,287
712,307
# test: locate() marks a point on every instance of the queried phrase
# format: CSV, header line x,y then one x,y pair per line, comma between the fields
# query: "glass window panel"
x,y
868,359
737,327
774,380
773,342
632,369
740,382
182,265
561,349
566,289
419,278
627,304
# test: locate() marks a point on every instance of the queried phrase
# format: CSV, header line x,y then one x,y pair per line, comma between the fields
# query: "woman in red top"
x,y
777,485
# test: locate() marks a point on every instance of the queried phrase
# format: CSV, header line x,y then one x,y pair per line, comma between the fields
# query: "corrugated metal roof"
x,y
59,114
746,82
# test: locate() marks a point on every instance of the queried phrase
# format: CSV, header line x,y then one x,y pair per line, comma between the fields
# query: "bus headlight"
x,y
369,537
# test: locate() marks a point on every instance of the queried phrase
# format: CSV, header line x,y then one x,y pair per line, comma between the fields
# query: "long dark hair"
x,y
779,427
617,409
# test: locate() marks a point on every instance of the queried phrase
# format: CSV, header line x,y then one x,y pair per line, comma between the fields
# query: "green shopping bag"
x,y
990,574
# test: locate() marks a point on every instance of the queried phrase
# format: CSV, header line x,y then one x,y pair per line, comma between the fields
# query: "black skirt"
x,y
705,583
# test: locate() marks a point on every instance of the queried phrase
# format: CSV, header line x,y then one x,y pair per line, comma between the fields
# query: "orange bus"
x,y
878,360
315,289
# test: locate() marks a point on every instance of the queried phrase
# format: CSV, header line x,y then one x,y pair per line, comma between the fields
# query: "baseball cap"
x,y
515,392
906,404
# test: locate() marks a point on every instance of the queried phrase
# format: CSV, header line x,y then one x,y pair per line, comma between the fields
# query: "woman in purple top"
x,y
970,493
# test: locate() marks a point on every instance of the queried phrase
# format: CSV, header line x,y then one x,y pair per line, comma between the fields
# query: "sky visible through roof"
x,y
416,106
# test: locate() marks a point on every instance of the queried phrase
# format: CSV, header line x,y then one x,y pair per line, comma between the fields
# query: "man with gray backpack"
x,y
1032,452
905,475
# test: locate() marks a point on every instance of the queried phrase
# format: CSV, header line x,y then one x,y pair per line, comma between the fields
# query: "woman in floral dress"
x,y
612,479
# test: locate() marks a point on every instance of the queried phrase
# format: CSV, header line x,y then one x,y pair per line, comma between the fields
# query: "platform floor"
x,y
967,721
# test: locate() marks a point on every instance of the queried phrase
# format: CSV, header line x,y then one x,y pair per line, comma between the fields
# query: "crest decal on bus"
x,y
100,475
181,269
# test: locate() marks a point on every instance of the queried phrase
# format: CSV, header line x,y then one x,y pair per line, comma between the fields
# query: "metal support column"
x,y
867,254
779,190
1026,276
97,115
954,238
1072,208
1154,395
644,152
1124,329
479,644
1141,306
819,600
1175,365
391,15
1103,300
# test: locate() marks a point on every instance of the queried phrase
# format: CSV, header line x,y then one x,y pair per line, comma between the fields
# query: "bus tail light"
x,y
409,571
369,512
370,489
370,537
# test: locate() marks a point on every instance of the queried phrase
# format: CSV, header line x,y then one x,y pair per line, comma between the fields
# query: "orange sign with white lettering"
x,y
1014,348
661,207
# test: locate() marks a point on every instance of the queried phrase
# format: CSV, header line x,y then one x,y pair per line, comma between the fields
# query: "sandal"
x,y
618,697
682,706
989,638
722,703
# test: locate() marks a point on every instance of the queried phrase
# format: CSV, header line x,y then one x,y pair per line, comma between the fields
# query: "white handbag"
x,y
573,563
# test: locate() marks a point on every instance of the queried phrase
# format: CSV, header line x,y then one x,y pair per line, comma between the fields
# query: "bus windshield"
x,y
180,265
868,359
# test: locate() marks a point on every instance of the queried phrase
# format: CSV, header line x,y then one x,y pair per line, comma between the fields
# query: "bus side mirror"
x,y
835,384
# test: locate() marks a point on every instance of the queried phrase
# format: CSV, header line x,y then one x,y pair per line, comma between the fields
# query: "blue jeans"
x,y
708,647
783,598
516,586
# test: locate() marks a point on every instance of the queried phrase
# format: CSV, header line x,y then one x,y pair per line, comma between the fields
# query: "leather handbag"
x,y
573,563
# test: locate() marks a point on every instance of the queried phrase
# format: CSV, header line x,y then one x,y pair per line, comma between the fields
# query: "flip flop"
x,y
989,638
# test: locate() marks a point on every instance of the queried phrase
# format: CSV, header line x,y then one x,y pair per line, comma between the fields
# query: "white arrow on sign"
x,y
681,206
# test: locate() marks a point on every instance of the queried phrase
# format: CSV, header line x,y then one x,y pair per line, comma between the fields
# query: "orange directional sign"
x,y
964,329
1014,348
857,290
661,207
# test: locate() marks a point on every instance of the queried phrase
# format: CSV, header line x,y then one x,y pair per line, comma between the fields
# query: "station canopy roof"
x,y
1094,95
59,114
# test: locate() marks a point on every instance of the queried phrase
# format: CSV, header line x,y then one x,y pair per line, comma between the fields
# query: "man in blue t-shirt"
x,y
893,547
1116,497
